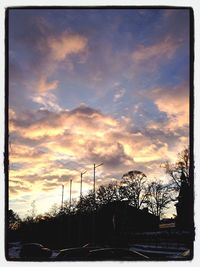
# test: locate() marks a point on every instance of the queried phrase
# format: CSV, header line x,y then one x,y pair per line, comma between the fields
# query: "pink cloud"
x,y
174,102
65,45
46,141
44,85
165,48
56,49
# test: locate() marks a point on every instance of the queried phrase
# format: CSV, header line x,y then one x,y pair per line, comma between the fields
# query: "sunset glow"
x,y
91,86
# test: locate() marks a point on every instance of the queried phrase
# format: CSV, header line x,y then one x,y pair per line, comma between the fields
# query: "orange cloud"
x,y
78,122
66,44
44,85
175,102
50,145
57,49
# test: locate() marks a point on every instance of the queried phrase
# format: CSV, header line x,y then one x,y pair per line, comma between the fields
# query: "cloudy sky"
x,y
92,86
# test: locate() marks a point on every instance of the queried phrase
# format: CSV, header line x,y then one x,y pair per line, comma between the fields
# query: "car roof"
x,y
118,250
33,244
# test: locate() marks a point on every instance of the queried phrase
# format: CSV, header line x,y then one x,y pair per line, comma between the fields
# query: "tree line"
x,y
133,187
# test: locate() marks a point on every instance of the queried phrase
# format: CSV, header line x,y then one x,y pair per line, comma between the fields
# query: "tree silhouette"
x,y
69,208
179,169
181,178
132,188
107,193
157,198
13,220
86,203
54,211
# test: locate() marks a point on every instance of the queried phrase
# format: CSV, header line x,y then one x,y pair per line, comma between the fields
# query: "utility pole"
x,y
81,184
70,195
62,197
94,182
80,216
69,221
94,212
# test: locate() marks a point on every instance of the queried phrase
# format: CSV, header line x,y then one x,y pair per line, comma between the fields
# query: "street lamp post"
x,y
94,182
94,213
70,194
81,184
62,197
80,216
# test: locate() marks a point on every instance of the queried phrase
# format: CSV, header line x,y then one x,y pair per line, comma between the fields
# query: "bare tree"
x,y
31,213
14,220
86,203
132,188
179,170
157,198
69,207
33,209
54,211
107,193
183,189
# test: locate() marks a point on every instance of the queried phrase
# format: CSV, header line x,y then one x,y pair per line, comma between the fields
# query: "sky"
x,y
92,86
